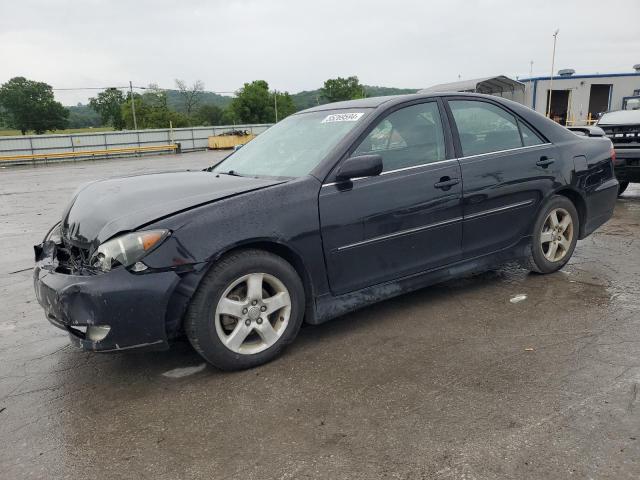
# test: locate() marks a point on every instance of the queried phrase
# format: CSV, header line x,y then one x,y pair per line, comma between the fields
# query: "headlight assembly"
x,y
54,234
126,249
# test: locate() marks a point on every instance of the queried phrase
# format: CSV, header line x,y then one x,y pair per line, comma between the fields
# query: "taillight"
x,y
613,154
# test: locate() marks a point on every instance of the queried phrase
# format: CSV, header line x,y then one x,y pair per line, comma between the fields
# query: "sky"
x,y
296,45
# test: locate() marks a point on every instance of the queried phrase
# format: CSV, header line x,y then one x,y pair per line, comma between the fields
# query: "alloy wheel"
x,y
252,313
557,235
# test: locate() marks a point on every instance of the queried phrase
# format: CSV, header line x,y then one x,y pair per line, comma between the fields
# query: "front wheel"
x,y
246,310
555,236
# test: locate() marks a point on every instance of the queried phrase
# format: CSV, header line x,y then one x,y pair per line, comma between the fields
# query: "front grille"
x,y
71,259
623,135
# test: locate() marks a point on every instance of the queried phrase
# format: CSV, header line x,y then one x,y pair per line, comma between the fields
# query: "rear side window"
x,y
529,137
484,127
408,137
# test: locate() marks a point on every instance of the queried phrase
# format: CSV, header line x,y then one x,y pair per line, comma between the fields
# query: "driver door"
x,y
404,221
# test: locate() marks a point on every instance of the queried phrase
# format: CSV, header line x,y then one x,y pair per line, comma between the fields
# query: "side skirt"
x,y
329,306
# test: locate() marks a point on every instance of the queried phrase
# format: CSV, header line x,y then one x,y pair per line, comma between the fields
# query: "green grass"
x,y
4,133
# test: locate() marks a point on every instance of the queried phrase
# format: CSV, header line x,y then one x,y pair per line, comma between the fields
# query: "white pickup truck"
x,y
622,127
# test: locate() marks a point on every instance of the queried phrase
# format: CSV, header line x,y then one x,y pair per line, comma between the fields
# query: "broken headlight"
x,y
126,249
54,234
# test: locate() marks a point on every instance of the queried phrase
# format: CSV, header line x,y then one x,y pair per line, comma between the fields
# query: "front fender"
x,y
282,219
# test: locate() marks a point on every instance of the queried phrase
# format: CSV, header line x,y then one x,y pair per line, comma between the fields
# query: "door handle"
x,y
544,162
446,183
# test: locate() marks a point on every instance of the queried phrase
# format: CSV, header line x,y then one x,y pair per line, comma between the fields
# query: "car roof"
x,y
551,130
374,102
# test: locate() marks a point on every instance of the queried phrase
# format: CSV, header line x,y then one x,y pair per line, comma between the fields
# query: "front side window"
x,y
408,137
484,127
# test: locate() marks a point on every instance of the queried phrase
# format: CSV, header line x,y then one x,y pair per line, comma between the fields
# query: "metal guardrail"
x,y
36,148
89,153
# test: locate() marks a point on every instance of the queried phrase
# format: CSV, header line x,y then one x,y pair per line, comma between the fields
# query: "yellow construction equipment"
x,y
229,141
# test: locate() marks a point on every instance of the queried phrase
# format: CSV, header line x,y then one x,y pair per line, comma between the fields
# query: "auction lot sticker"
x,y
343,117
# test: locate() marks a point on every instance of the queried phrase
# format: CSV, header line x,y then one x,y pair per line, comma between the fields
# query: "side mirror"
x,y
360,166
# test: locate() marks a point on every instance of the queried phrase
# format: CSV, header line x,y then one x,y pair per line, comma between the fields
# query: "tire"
x,y
622,187
248,307
542,256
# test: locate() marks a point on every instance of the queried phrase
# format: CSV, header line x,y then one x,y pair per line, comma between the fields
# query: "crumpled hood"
x,y
104,208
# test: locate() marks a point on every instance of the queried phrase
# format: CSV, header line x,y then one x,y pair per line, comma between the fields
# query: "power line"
x,y
126,87
90,88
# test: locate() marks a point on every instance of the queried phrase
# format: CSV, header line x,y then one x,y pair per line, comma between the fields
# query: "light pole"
x,y
553,60
133,107
275,103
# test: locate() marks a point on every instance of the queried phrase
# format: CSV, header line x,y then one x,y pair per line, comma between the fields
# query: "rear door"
x,y
507,168
404,221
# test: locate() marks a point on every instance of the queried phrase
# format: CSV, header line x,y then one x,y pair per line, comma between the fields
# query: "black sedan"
x,y
331,209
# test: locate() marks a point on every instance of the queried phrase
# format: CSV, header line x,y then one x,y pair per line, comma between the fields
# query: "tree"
x,y
83,116
338,89
190,96
208,115
4,119
229,117
254,103
108,104
285,104
152,111
30,105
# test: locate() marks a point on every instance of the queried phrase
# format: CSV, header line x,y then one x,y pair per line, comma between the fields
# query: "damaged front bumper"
x,y
112,311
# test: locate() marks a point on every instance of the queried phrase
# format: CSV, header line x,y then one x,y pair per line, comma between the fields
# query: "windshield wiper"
x,y
232,173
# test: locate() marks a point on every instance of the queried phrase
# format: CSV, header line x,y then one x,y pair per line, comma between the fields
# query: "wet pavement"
x,y
499,375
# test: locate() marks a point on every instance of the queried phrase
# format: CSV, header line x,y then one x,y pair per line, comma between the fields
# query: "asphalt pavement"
x,y
500,375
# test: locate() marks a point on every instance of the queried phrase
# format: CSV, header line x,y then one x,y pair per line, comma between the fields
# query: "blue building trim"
x,y
596,75
535,91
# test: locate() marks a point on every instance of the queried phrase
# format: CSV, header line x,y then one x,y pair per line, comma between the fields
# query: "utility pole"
x,y
275,103
133,107
553,60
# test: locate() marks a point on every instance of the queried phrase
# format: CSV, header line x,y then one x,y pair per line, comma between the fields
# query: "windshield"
x,y
294,146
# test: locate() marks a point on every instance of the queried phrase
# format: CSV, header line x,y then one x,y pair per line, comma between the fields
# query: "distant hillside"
x,y
310,98
175,102
83,116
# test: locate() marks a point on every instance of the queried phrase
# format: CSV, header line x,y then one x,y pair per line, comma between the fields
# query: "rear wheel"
x,y
554,237
247,309
623,186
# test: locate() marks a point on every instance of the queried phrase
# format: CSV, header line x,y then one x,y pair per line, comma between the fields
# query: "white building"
x,y
575,100
579,99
